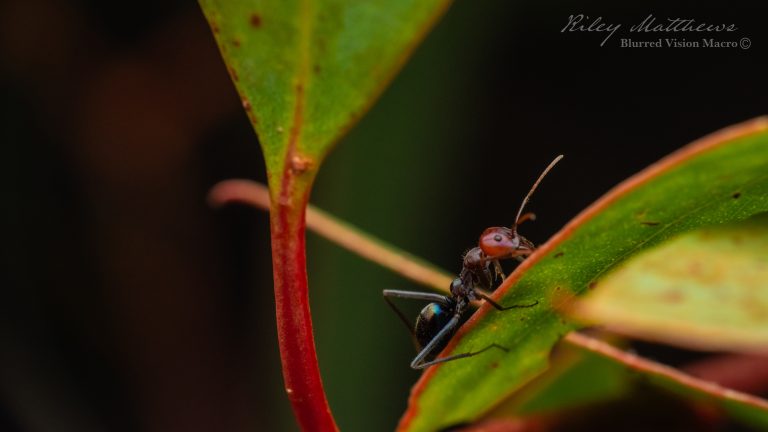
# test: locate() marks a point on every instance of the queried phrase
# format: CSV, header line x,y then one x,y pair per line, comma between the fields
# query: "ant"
x,y
438,321
498,243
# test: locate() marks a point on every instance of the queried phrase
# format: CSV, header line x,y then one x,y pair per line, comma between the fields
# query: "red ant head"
x,y
502,243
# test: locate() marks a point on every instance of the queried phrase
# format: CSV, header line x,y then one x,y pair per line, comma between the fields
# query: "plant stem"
x,y
341,233
294,322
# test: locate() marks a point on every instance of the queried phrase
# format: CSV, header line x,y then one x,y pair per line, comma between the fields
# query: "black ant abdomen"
x,y
430,321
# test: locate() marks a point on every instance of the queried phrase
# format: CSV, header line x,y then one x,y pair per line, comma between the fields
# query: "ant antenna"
x,y
533,188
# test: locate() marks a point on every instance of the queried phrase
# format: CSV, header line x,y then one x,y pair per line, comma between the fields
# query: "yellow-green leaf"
x,y
706,289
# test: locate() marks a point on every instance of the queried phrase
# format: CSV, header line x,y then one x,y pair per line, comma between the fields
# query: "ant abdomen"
x,y
430,321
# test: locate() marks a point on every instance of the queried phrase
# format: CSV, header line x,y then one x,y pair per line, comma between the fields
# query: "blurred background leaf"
x,y
584,389
702,290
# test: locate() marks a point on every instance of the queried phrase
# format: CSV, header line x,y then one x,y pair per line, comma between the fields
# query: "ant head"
x,y
502,242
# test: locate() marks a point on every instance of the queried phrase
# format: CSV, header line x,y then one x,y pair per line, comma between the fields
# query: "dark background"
x,y
128,304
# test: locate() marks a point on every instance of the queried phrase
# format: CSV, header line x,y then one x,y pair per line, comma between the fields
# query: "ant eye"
x,y
497,237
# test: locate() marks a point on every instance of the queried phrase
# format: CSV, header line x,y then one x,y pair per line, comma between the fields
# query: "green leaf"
x,y
721,178
580,377
744,411
577,377
306,70
702,290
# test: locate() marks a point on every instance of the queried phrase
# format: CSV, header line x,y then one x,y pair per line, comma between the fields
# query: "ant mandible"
x,y
439,319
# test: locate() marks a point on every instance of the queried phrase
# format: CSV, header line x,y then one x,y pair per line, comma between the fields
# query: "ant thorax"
x,y
475,272
459,289
475,259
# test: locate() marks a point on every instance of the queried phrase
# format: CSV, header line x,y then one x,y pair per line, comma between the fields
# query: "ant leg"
x,y
447,331
498,270
402,317
503,308
430,297
414,295
461,356
485,278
